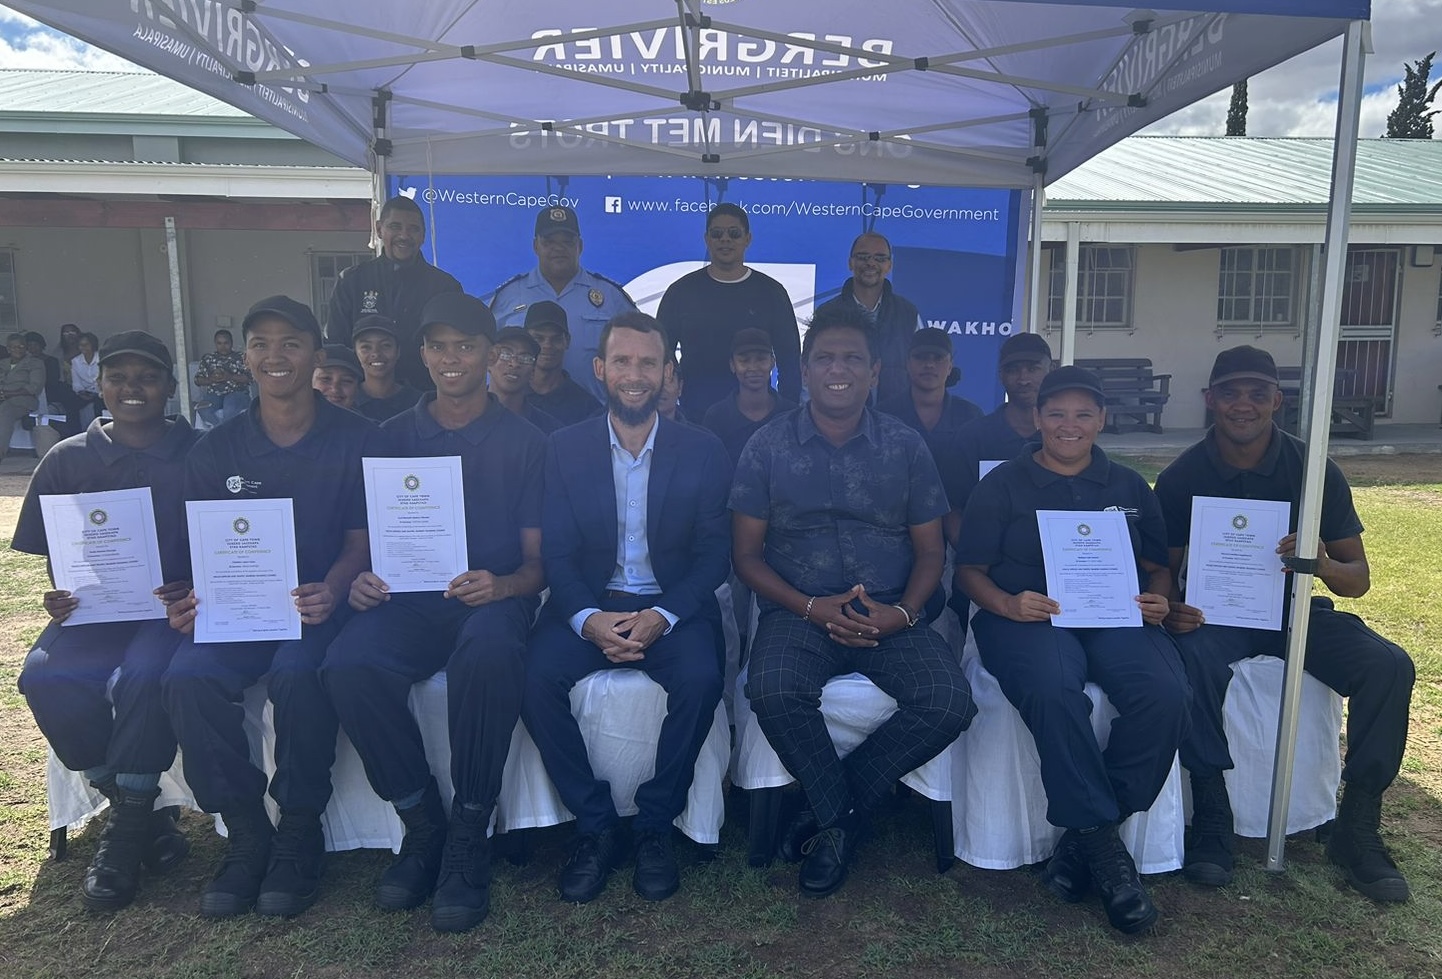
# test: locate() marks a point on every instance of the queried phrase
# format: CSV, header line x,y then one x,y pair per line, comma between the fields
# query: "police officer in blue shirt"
x,y
117,734
590,300
1042,668
475,630
290,444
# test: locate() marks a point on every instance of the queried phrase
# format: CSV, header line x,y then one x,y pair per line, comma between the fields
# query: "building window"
x,y
325,269
1258,290
1104,287
9,304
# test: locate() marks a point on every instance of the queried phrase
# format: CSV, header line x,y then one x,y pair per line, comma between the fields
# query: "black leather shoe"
x,y
1129,909
237,881
1208,860
411,877
1356,846
463,889
114,875
657,876
1066,874
828,855
593,857
292,880
801,828
168,845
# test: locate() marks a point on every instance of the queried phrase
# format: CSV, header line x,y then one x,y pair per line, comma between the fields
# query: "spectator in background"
x,y
704,310
225,380
339,376
377,347
57,387
22,378
512,362
69,348
894,317
85,377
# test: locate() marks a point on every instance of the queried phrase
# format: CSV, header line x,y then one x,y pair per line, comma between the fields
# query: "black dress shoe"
x,y
593,857
801,828
828,854
1066,874
1129,909
657,876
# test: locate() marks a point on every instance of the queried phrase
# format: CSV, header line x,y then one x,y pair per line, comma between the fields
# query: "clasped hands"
x,y
846,626
624,636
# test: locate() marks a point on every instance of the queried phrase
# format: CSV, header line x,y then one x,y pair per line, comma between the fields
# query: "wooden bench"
x,y
1352,417
1135,395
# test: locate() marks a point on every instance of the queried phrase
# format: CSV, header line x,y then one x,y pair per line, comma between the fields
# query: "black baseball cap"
x,y
547,313
1070,378
140,344
339,355
930,338
1024,346
461,312
557,219
518,335
752,339
1243,363
375,323
293,311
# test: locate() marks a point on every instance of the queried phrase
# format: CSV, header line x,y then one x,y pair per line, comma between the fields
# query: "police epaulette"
x,y
612,282
497,290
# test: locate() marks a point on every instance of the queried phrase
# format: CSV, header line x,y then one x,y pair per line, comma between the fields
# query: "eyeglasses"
x,y
878,258
511,357
735,234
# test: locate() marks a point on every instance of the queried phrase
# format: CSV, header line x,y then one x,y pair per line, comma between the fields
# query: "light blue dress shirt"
x,y
631,476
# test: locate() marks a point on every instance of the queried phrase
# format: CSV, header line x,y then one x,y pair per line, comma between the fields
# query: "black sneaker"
x,y
1208,860
657,876
292,880
411,877
237,880
463,890
1356,846
593,857
1128,906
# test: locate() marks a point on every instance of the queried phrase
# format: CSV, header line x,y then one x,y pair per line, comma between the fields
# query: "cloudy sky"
x,y
1297,98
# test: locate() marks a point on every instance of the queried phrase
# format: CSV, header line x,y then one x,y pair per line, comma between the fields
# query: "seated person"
x,y
85,378
736,417
475,630
291,444
224,380
117,734
513,361
1042,668
22,378
552,389
339,376
634,544
836,522
1246,456
377,346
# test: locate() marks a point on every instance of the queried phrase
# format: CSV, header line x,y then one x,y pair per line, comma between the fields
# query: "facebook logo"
x,y
613,205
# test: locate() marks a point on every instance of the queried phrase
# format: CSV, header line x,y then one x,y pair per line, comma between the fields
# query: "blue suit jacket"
x,y
687,525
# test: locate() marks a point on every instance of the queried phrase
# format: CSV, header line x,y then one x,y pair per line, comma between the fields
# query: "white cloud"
x,y
26,43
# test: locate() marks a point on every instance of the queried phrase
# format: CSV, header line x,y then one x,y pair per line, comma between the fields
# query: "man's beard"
x,y
628,415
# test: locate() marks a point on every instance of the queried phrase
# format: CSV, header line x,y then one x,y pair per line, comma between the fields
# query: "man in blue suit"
x,y
634,541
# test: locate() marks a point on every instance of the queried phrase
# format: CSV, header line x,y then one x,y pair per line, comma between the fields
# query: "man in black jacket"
x,y
894,316
397,284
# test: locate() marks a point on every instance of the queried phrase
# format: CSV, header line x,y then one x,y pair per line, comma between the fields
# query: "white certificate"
x,y
1234,574
242,555
417,515
103,550
1091,571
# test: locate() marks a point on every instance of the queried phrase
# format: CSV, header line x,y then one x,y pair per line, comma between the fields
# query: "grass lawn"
x,y
896,917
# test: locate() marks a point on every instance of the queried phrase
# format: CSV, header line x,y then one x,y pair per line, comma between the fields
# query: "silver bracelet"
x,y
809,602
911,619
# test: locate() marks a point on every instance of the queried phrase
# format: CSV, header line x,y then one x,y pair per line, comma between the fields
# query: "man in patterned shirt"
x,y
836,526
224,378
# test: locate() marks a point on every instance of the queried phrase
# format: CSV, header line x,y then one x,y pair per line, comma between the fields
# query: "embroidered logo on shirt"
x,y
370,301
596,297
239,484
1130,511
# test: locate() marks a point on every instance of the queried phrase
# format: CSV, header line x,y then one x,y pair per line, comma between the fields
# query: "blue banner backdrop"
x,y
955,250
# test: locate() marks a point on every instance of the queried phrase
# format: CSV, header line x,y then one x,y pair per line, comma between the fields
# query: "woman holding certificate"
x,y
1065,554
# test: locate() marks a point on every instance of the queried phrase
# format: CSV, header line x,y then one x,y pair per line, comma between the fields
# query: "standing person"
x,y
475,630
339,376
893,316
705,309
552,389
1245,456
735,418
925,405
116,733
377,346
225,379
397,283
635,545
836,526
1043,668
513,361
22,378
589,300
291,444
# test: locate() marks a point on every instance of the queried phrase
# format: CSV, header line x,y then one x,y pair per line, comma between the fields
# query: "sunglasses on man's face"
x,y
735,234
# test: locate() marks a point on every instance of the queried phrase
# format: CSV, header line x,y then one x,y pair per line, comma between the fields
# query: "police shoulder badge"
x,y
597,297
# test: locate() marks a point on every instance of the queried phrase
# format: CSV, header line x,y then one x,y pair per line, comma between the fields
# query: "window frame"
x,y
1262,267
1091,274
320,295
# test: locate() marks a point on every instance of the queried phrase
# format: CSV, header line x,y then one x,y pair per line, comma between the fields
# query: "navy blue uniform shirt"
x,y
837,517
960,454
735,429
503,460
91,463
321,474
999,530
568,403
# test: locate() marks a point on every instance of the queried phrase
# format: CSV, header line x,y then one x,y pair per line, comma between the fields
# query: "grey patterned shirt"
x,y
838,516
